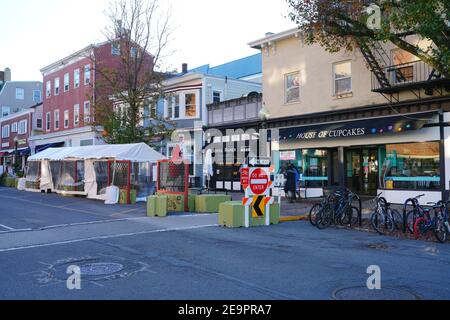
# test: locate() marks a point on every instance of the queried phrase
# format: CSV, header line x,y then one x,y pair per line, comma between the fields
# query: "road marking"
x,y
125,212
6,227
84,223
105,237
16,231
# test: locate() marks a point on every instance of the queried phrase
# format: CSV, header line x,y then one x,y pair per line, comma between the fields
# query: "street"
x,y
125,255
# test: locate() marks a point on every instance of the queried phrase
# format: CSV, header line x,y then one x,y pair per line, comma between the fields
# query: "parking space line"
x,y
6,227
106,237
125,212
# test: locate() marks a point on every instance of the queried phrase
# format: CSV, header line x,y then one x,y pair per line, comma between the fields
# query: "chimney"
x,y
7,74
184,68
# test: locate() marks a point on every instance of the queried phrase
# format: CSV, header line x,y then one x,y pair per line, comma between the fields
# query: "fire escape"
x,y
389,80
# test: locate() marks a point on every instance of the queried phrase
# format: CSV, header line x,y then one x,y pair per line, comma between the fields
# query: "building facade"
x,y
186,100
16,96
341,124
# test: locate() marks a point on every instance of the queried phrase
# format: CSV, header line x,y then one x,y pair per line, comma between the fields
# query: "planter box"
x,y
209,203
176,203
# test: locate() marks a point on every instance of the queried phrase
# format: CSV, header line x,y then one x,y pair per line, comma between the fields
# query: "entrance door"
x,y
362,170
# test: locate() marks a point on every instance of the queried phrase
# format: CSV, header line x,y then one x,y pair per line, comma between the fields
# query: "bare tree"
x,y
126,85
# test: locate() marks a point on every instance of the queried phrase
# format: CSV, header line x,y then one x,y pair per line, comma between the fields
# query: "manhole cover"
x,y
100,269
362,293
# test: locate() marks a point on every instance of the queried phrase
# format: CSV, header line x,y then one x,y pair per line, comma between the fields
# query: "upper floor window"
x,y
66,119
115,49
6,111
48,121
217,96
48,89
87,74
56,86
37,96
191,105
76,78
133,52
5,131
292,85
20,94
342,73
66,82
56,119
14,127
76,115
23,126
38,123
87,112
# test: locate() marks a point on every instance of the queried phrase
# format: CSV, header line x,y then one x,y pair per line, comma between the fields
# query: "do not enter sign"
x,y
259,181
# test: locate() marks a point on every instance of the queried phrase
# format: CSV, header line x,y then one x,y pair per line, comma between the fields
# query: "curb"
x,y
293,218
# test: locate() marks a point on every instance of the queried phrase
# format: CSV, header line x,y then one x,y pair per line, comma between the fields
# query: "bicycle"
x,y
339,210
317,209
438,224
415,213
385,218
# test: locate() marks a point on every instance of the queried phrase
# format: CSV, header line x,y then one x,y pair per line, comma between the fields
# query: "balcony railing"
x,y
412,75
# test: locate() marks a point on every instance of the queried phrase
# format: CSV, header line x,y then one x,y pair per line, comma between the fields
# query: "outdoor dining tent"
x,y
90,170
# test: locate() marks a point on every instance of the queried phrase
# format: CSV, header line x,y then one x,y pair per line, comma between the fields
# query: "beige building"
x,y
375,121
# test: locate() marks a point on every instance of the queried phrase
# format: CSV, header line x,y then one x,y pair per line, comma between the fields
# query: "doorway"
x,y
362,170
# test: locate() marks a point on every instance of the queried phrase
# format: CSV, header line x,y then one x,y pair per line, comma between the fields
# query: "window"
x,y
20,94
66,119
56,86
173,106
133,52
56,115
115,49
153,111
6,111
411,166
87,112
38,123
37,96
292,85
76,78
48,121
48,90
23,126
217,97
5,131
66,82
14,127
342,73
76,115
191,105
87,74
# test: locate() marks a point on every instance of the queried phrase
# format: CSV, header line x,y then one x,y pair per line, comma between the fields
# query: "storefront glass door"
x,y
362,170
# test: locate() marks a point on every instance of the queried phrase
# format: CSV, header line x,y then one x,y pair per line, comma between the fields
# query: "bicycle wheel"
x,y
324,218
397,217
440,231
381,223
419,227
313,213
411,218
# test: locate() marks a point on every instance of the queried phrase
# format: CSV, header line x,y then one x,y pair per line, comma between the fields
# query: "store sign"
x,y
245,175
287,155
326,134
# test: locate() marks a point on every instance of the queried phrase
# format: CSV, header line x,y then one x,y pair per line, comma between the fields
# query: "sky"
x,y
36,33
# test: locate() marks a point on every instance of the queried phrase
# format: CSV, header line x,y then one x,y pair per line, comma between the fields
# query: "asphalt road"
x,y
125,255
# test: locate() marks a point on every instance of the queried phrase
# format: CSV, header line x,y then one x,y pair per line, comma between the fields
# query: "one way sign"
x,y
260,162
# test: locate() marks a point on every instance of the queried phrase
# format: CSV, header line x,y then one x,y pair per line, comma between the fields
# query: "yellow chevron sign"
x,y
258,207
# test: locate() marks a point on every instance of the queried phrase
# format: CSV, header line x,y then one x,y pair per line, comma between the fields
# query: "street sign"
x,y
259,181
260,162
259,206
245,175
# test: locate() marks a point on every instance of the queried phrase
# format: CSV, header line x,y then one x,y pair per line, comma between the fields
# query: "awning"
x,y
47,146
358,128
24,152
2,154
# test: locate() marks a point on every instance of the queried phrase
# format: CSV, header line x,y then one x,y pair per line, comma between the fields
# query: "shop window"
x,y
292,86
315,168
411,166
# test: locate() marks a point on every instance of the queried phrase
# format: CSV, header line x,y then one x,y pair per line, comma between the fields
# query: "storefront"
x,y
400,156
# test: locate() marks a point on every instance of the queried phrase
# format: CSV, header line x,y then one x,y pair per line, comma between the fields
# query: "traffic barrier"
x,y
209,203
232,215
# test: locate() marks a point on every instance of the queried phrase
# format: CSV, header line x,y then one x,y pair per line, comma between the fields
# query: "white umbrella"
x,y
208,165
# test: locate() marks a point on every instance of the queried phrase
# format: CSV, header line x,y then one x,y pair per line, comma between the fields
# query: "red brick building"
x,y
71,87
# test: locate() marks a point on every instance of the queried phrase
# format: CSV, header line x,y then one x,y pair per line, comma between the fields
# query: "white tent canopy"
x,y
139,152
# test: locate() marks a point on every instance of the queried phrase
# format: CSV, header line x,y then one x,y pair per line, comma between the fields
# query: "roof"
x,y
236,69
270,38
139,152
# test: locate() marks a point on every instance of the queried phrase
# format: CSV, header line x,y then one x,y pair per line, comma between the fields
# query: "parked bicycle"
x,y
337,209
438,224
415,213
385,219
